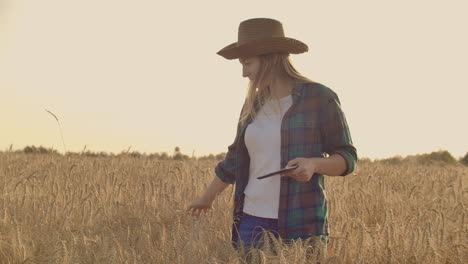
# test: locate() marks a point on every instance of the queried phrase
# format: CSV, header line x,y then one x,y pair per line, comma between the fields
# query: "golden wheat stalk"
x,y
60,128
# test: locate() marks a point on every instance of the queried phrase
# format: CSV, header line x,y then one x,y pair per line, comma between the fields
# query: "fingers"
x,y
191,210
296,173
292,173
292,162
300,176
197,211
194,211
200,211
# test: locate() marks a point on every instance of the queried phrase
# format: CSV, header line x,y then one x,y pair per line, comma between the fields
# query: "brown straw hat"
x,y
259,36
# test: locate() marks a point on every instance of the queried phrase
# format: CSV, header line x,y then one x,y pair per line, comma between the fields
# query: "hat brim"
x,y
263,46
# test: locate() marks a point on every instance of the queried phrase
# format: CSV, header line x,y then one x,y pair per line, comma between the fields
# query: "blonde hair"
x,y
272,67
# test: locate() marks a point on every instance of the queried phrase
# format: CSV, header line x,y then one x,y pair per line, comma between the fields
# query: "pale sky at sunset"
x,y
146,74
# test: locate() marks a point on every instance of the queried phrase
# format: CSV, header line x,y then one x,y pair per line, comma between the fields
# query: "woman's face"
x,y
250,67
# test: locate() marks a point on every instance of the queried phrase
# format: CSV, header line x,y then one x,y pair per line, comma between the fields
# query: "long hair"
x,y
272,67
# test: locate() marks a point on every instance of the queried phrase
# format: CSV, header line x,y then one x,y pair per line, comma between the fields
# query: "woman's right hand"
x,y
200,205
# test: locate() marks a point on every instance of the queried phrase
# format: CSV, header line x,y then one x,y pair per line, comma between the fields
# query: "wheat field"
x,y
122,209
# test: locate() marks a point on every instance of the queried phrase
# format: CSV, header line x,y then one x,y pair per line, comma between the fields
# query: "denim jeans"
x,y
251,230
251,235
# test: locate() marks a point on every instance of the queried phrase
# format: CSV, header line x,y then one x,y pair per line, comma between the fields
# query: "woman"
x,y
287,119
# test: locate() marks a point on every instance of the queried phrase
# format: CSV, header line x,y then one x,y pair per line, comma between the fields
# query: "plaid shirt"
x,y
314,126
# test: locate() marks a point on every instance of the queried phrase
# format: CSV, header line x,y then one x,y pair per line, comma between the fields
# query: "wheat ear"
x,y
60,127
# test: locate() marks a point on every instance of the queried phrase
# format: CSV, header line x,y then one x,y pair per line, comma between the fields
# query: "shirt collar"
x,y
297,91
296,94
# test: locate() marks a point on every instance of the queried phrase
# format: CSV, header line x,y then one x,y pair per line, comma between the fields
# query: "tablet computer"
x,y
278,171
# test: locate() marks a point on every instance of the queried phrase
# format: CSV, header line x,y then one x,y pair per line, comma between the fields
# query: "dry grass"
x,y
72,209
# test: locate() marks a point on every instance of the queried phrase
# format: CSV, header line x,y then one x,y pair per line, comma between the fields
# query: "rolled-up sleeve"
x,y
336,136
226,169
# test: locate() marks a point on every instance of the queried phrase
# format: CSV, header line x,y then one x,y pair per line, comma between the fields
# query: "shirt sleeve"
x,y
336,137
226,169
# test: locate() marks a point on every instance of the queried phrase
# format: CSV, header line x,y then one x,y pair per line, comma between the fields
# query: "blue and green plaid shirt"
x,y
314,126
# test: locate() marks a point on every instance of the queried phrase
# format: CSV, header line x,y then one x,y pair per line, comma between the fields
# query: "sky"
x,y
145,75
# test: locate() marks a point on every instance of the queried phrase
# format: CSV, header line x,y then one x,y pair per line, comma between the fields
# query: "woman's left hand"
x,y
307,168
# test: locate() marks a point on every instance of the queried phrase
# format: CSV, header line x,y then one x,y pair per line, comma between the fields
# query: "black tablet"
x,y
279,171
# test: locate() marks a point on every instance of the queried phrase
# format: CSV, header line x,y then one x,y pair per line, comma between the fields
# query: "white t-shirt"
x,y
263,142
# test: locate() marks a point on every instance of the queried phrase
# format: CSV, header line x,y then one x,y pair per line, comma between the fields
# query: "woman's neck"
x,y
281,88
